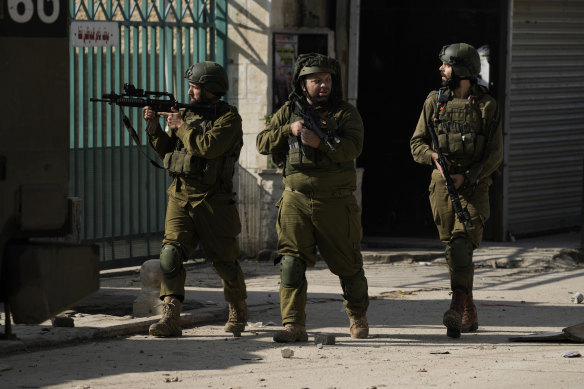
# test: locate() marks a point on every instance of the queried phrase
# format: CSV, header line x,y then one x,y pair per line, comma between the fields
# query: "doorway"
x,y
398,67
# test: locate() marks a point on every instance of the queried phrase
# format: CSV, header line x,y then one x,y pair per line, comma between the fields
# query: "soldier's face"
x,y
198,94
445,72
195,92
318,86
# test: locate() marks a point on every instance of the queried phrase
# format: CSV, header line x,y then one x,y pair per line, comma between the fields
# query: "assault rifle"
x,y
314,123
134,97
461,213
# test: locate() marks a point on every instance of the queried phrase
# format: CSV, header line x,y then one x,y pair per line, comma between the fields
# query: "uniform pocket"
x,y
210,170
167,160
480,142
461,143
443,141
455,145
354,222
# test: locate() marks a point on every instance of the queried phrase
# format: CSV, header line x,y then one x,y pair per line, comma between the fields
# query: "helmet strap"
x,y
304,90
453,82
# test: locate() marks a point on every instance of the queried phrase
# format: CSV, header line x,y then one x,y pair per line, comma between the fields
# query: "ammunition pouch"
x,y
180,163
299,155
183,164
460,131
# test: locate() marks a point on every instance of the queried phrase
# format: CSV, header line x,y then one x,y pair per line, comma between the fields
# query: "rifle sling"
x,y
136,139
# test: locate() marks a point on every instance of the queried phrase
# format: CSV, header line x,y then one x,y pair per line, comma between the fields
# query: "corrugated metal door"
x,y
124,197
545,124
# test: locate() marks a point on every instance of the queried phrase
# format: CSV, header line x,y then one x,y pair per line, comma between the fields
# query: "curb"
x,y
406,256
59,336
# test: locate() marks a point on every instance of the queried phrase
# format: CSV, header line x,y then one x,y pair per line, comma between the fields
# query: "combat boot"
x,y
470,320
453,317
291,333
169,325
237,317
359,328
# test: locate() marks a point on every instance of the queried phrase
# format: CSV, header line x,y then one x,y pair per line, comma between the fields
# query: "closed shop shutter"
x,y
545,122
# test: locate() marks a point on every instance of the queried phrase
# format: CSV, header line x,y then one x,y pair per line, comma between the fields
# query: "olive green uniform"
x,y
470,137
318,208
201,155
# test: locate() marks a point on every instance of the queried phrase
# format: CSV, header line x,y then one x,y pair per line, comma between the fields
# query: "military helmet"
x,y
463,58
211,75
316,63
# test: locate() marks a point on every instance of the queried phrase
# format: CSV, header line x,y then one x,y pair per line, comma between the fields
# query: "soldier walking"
x,y
200,152
465,118
318,209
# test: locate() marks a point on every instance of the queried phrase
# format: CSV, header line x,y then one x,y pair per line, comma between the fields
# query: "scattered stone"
x,y
63,321
324,339
577,298
572,354
287,353
575,255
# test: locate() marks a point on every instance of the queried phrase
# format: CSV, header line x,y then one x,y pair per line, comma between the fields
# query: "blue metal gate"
x,y
124,197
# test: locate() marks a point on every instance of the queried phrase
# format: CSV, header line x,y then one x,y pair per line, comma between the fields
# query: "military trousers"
x,y
459,242
215,224
331,225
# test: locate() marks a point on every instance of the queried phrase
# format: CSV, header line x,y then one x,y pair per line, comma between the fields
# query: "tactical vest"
x,y
180,163
302,157
462,130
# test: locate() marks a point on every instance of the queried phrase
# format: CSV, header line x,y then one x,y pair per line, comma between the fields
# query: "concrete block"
x,y
324,339
148,301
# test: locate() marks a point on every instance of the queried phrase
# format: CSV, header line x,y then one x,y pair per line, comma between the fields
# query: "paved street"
x,y
520,288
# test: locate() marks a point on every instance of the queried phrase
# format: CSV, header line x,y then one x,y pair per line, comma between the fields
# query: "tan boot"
x,y
359,328
237,317
453,317
470,320
169,325
291,333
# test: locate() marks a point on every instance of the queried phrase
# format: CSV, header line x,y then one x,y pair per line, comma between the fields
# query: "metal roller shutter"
x,y
545,122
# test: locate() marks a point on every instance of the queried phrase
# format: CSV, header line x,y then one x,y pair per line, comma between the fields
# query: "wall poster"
x,y
285,54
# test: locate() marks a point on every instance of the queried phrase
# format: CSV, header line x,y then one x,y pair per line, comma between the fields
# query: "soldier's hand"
x,y
309,138
149,113
457,180
173,119
296,127
435,159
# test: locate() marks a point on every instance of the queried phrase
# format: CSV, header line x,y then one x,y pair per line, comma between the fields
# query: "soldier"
x,y
199,152
466,121
318,208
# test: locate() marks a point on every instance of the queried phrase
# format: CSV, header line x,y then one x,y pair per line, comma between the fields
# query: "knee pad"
x,y
292,271
170,260
459,253
226,270
354,287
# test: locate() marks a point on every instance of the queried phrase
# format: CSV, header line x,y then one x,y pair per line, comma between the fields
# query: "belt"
x,y
322,195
